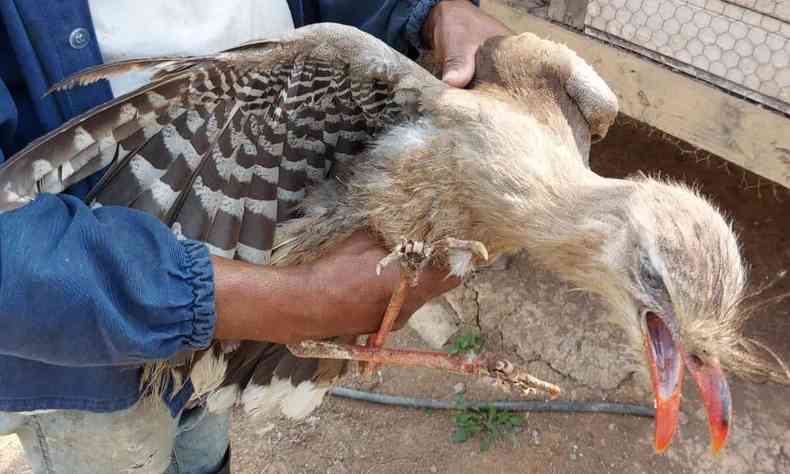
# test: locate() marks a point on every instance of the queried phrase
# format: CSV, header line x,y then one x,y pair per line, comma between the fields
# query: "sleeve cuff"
x,y
201,277
419,13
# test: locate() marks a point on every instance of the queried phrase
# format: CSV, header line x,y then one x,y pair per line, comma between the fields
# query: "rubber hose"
x,y
509,405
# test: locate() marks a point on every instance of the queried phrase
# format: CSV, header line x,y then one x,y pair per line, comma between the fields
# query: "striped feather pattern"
x,y
222,148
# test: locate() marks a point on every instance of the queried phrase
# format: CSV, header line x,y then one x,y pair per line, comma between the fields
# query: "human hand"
x,y
353,298
339,294
455,29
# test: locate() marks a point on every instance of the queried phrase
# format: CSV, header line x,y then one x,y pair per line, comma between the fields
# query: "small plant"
x,y
469,342
488,424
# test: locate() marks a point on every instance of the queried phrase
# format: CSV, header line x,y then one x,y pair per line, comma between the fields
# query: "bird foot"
x,y
497,370
413,255
462,254
476,247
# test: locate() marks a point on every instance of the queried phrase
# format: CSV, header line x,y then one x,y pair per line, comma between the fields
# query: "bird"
x,y
275,151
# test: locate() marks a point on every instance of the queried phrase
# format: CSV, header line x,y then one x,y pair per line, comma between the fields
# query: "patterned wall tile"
x,y
742,45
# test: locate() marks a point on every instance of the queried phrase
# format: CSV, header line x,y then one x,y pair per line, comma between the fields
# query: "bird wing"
x,y
221,147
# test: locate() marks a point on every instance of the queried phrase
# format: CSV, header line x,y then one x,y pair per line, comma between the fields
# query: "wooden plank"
x,y
569,12
734,129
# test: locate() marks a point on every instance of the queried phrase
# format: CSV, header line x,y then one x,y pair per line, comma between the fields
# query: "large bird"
x,y
274,151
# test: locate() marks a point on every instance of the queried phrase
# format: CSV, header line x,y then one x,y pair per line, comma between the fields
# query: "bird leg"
x,y
413,256
499,371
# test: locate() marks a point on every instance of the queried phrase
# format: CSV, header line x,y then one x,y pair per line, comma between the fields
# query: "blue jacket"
x,y
87,296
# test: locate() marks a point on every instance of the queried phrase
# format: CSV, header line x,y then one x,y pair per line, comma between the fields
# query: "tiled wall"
x,y
740,45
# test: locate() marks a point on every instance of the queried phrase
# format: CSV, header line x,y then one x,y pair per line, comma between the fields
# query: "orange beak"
x,y
666,372
666,360
715,393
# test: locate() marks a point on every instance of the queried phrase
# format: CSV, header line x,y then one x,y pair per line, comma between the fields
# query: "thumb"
x,y
457,70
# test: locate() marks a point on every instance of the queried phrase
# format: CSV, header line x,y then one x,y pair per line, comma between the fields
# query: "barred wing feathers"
x,y
222,147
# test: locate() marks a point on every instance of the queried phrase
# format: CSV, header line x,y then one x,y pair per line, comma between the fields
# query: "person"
x,y
89,295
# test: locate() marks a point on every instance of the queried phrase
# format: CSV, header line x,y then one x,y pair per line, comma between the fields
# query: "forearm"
x,y
262,303
339,294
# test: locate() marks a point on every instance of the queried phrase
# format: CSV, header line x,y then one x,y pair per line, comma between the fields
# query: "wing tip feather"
x,y
104,71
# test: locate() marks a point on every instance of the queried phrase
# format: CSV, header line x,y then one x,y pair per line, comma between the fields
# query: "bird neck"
x,y
578,229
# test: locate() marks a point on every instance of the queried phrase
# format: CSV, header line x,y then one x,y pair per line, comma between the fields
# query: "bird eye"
x,y
695,360
649,275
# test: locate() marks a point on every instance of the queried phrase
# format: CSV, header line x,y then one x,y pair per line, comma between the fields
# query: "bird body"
x,y
275,151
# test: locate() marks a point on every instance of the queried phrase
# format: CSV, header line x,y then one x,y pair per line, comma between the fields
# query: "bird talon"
x,y
414,255
476,247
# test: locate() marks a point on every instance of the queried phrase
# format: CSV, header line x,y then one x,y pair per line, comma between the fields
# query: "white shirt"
x,y
128,29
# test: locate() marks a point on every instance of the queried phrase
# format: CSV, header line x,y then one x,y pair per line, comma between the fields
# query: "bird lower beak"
x,y
715,393
666,371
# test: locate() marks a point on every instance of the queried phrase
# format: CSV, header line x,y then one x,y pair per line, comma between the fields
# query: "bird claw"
x,y
414,255
476,247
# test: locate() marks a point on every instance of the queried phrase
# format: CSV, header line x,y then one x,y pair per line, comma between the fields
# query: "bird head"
x,y
677,277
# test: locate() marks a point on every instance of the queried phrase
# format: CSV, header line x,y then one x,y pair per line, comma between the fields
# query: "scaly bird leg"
x,y
499,371
413,257
390,316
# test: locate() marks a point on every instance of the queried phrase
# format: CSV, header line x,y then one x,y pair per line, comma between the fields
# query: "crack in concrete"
x,y
562,374
477,304
629,377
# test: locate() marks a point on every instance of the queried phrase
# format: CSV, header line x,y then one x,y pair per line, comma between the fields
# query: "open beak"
x,y
715,393
666,370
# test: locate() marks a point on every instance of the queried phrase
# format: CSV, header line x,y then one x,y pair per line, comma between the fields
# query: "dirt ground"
x,y
578,348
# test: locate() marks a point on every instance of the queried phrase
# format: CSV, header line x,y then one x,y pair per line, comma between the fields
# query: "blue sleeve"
x,y
8,119
105,286
398,22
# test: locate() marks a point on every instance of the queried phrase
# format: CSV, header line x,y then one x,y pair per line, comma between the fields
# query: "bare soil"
x,y
352,437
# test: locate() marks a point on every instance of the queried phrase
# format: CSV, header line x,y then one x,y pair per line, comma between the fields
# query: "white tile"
x,y
743,47
738,30
730,59
752,82
780,59
672,26
765,72
776,42
771,24
748,65
700,62
714,6
718,69
735,75
751,17
756,36
712,52
684,14
762,54
733,11
651,6
720,24
725,41
702,18
707,35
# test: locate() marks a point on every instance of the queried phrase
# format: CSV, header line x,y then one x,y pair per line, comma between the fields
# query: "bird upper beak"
x,y
666,370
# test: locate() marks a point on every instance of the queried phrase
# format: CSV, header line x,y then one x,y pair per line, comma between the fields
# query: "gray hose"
x,y
532,405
